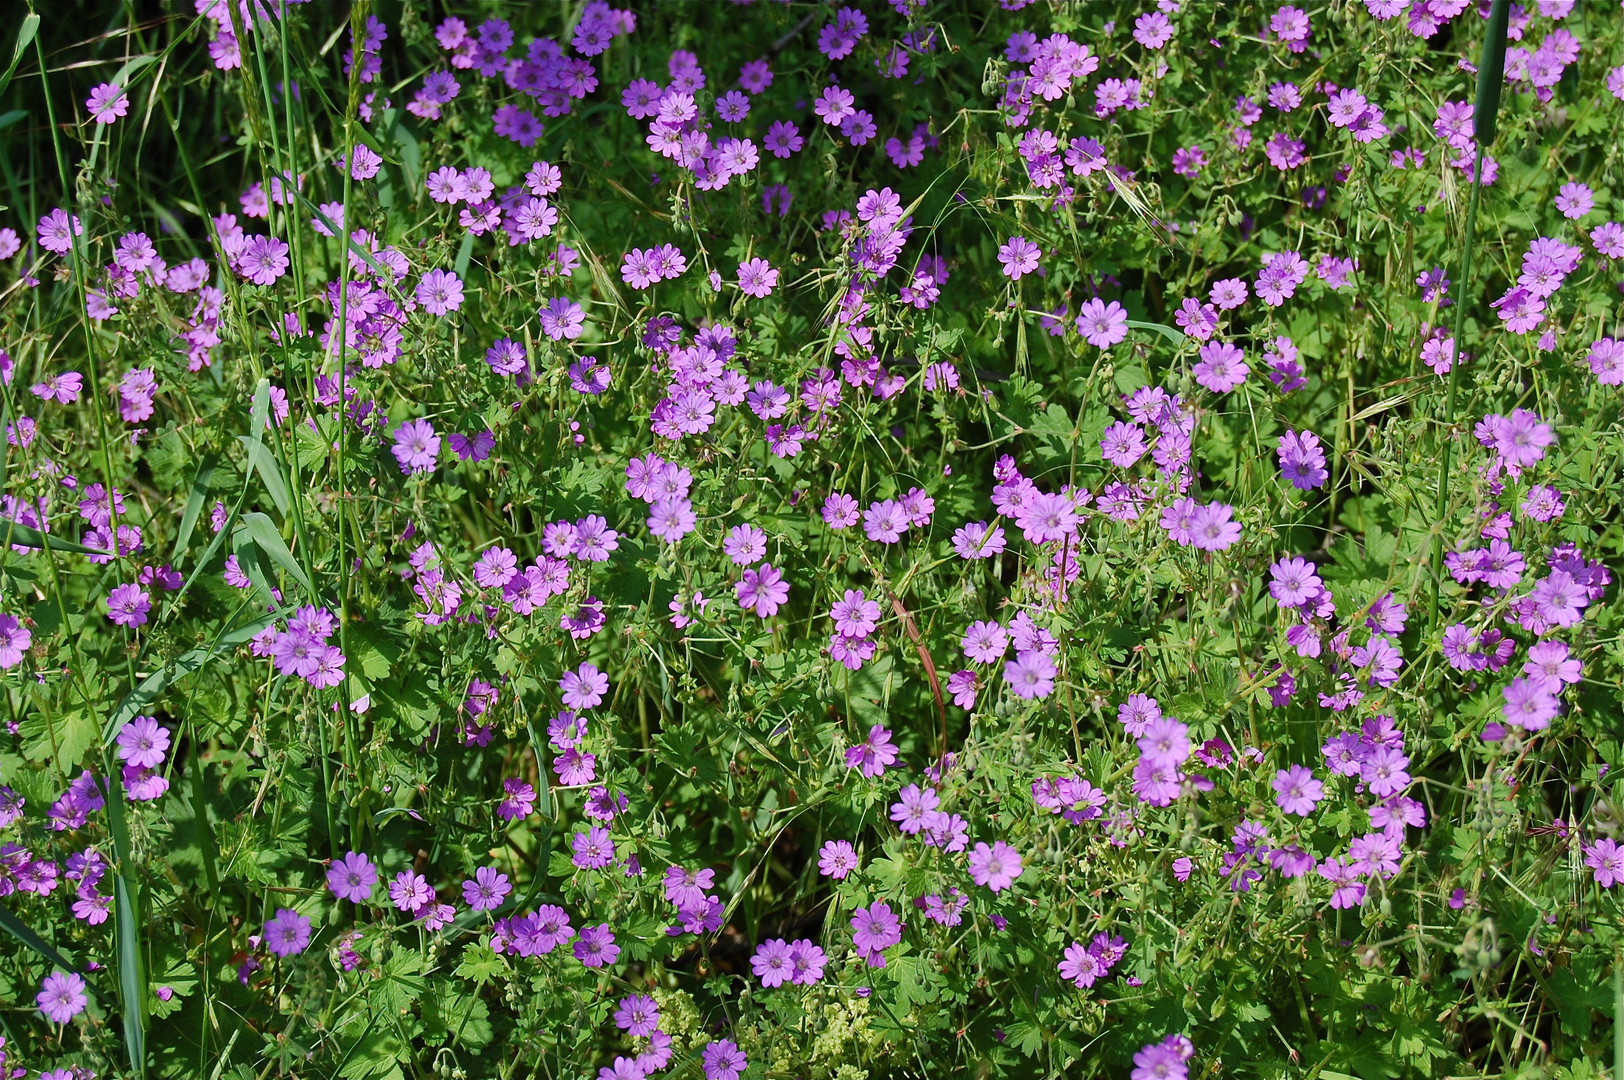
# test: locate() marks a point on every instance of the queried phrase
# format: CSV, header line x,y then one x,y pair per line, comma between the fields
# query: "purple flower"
x,y
561,319
723,1060
763,590
127,605
593,849
263,260
596,946
1101,325
745,544
1575,201
1529,704
837,859
1606,858
772,963
1168,1059
287,933
1222,367
1297,792
874,929
1558,598
996,867
783,139
584,687
1347,890
107,103
834,105
1019,257
1302,462
914,808
352,877
978,540
840,511
984,642
1123,444
854,615
486,889
873,755
1080,966
757,278
62,996
1295,583
476,447
671,519
440,292
551,928
142,742
364,162
637,1015
1383,771
1030,675
417,447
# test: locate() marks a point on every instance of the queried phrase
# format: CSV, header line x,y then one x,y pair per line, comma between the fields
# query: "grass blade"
x,y
127,931
1166,331
23,536
24,933
25,38
156,683
1491,71
263,531
194,503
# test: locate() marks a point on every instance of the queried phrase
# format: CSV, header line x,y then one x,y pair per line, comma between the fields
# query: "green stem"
x,y
1442,505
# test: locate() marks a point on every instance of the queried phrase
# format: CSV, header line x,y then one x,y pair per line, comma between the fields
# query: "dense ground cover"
x,y
802,540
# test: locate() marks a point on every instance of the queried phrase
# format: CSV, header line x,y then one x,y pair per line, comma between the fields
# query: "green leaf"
x,y
1491,71
25,934
62,738
464,252
132,983
481,964
156,683
376,1055
264,533
25,38
194,503
262,461
1166,331
22,536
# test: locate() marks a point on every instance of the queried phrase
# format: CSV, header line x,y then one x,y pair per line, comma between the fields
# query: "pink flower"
x,y
1019,257
757,278
486,889
127,605
352,877
263,260
1606,859
996,867
1102,325
1297,792
62,996
417,447
107,103
834,105
1222,367
440,292
764,590
584,687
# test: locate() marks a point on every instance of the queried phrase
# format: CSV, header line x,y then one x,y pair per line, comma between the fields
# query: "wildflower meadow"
x,y
785,539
